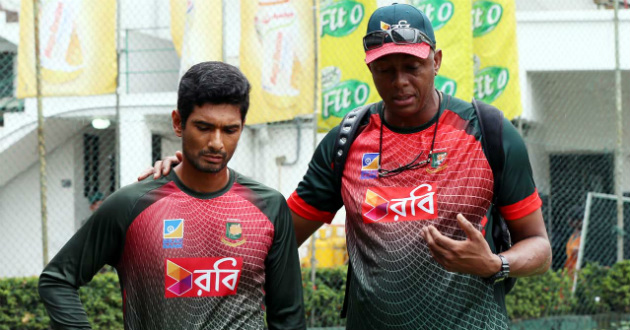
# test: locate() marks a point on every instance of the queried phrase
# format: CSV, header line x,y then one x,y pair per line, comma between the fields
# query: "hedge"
x,y
600,290
21,308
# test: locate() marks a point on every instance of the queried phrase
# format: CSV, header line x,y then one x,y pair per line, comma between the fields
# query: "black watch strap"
x,y
502,274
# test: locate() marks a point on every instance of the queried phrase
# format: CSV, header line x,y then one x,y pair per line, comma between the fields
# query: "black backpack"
x,y
491,124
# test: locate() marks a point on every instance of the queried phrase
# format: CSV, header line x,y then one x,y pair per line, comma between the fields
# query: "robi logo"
x,y
201,277
393,204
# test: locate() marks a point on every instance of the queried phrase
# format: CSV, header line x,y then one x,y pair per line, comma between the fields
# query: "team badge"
x,y
437,162
369,166
173,234
233,234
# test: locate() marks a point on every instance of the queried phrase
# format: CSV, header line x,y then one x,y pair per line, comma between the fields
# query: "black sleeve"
x,y
98,242
319,188
283,285
518,180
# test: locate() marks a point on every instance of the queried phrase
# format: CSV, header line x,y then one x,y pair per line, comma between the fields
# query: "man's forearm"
x,y
62,303
531,256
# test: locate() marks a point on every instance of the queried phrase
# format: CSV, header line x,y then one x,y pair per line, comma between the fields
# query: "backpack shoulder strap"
x,y
491,125
348,129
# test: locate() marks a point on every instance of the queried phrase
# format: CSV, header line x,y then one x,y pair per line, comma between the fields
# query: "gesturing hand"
x,y
471,256
162,167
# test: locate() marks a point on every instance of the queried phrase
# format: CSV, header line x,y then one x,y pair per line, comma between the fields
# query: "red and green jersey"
x,y
185,260
396,284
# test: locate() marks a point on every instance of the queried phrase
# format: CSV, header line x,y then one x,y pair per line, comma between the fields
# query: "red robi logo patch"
x,y
393,204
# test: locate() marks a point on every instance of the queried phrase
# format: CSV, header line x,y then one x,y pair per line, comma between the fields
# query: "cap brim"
x,y
418,50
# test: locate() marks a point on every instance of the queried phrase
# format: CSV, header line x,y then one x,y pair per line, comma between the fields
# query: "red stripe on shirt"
x,y
303,209
483,224
522,208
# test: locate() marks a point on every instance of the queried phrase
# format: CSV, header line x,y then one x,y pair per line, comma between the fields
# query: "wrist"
x,y
494,266
502,273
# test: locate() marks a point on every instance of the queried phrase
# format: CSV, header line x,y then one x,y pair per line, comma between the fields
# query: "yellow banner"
x,y
196,37
496,55
277,55
178,23
452,26
77,48
346,81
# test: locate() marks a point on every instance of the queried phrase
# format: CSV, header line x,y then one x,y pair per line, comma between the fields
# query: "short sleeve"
x,y
318,195
518,195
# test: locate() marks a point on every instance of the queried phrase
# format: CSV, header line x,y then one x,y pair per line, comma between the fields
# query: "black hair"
x,y
214,83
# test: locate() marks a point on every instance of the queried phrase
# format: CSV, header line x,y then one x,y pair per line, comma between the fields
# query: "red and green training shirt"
x,y
396,284
185,260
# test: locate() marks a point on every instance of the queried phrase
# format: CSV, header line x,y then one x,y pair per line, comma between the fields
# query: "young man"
x,y
202,248
414,231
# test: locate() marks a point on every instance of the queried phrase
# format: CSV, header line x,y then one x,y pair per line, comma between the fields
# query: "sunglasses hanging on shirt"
x,y
414,164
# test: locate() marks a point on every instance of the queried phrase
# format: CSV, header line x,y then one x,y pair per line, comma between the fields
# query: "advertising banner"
x,y
197,31
452,26
77,48
496,55
346,81
277,54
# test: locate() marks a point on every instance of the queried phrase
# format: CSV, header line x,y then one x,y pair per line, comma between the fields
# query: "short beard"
x,y
198,164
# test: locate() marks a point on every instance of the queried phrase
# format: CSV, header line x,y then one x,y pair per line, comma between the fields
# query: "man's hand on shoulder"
x,y
162,167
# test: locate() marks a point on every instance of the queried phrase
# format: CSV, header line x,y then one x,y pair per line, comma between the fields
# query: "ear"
x,y
437,60
177,123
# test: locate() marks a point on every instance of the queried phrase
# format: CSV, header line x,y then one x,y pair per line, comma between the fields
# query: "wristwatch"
x,y
502,274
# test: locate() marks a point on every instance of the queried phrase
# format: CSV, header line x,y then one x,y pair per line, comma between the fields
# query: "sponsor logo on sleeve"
x,y
394,204
173,234
201,277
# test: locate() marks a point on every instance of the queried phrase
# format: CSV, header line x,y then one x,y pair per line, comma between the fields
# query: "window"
x,y
91,164
156,148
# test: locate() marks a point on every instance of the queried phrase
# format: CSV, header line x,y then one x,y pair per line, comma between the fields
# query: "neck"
x,y
432,106
199,181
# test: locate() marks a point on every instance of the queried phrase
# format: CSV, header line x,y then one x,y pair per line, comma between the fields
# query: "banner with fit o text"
x,y
346,81
451,23
496,55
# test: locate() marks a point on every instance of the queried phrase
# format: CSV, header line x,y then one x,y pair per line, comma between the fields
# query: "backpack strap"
x,y
491,126
348,131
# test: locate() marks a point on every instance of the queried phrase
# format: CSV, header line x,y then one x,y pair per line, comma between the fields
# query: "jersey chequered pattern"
x,y
186,260
205,221
395,277
396,284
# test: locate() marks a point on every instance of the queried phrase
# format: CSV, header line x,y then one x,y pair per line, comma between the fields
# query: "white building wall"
x,y
21,218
